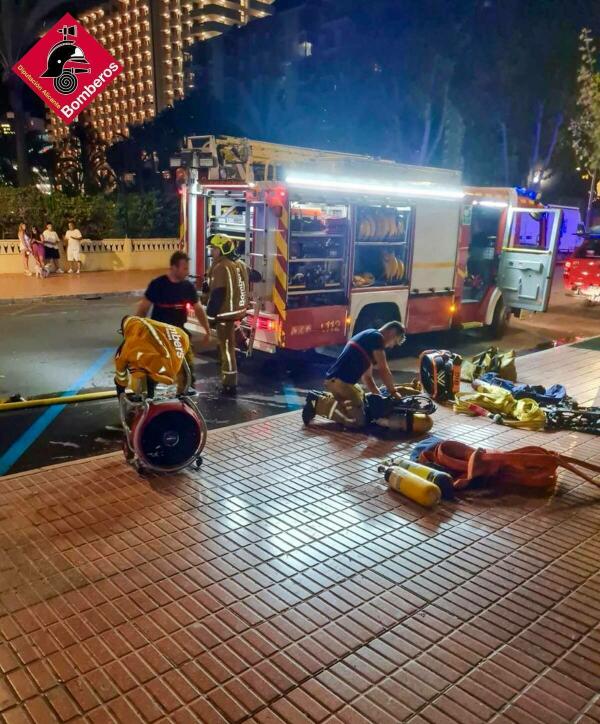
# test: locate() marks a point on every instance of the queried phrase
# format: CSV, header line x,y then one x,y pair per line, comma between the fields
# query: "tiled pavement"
x,y
18,287
285,583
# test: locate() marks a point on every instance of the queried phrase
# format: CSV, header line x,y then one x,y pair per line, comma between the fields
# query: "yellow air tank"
x,y
438,477
412,486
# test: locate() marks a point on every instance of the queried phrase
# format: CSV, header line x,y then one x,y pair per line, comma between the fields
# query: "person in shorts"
x,y
73,239
51,251
37,247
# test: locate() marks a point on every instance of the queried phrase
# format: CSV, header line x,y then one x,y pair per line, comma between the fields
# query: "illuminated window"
x,y
305,48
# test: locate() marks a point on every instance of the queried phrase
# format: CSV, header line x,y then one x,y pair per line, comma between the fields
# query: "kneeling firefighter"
x,y
345,402
226,291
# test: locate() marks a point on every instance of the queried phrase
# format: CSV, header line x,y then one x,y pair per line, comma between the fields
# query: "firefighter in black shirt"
x,y
170,296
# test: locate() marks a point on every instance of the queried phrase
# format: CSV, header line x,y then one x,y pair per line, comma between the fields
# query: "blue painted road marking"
x,y
16,450
292,398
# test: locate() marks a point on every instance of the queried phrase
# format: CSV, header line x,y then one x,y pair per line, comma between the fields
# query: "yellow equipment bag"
x,y
491,360
150,349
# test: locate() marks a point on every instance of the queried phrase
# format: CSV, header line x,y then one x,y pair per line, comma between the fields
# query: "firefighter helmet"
x,y
61,54
224,243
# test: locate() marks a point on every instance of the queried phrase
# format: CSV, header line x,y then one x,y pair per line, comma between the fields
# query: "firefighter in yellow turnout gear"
x,y
227,292
344,400
151,352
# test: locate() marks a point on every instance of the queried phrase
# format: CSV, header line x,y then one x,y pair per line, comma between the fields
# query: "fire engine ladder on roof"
x,y
238,159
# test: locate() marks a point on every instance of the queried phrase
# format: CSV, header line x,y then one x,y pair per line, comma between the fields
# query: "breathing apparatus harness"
x,y
440,373
577,419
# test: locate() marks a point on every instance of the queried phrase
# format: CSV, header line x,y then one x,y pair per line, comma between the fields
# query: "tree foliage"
x,y
585,126
81,165
98,216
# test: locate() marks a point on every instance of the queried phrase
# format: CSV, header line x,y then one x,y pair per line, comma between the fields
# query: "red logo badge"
x,y
68,68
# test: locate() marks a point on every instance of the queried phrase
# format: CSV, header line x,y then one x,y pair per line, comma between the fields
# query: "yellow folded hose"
x,y
525,413
66,400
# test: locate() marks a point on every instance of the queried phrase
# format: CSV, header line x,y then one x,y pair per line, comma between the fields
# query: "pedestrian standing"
x,y
37,248
24,247
51,250
73,239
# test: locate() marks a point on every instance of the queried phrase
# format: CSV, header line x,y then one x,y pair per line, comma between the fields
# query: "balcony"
x,y
204,29
215,11
259,8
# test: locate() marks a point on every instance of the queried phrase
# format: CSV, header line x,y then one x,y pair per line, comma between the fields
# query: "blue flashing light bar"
x,y
529,193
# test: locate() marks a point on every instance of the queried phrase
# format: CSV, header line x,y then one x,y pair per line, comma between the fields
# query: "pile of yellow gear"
x,y
384,224
525,413
410,388
150,349
491,360
393,268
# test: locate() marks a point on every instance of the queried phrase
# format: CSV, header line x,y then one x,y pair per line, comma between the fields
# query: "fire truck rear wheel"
x,y
499,325
375,316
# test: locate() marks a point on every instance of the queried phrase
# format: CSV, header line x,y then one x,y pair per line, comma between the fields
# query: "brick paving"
x,y
285,583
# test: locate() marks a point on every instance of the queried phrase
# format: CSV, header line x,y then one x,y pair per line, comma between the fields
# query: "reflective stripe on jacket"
x,y
228,285
150,349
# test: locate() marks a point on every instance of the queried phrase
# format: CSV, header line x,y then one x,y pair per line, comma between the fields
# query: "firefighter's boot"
x,y
309,410
226,337
349,413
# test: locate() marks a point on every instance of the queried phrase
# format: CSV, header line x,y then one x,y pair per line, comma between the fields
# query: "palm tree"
x,y
21,22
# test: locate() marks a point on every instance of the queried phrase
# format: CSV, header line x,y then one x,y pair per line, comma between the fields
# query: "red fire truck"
x,y
341,242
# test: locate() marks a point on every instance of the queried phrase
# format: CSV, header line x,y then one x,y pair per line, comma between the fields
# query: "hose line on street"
x,y
48,401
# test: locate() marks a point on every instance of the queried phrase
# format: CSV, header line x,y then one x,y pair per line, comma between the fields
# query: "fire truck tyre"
x,y
376,315
499,325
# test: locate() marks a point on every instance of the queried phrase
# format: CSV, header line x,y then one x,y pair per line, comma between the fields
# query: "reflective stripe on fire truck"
x,y
433,265
280,266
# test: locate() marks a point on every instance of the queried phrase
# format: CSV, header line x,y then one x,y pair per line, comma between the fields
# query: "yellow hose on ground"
x,y
525,413
66,400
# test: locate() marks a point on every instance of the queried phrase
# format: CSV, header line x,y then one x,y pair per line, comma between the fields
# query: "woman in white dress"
x,y
25,247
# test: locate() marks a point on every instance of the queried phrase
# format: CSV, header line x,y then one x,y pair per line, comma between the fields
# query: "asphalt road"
x,y
55,346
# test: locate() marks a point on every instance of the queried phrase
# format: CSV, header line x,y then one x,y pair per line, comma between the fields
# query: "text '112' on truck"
x,y
340,242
